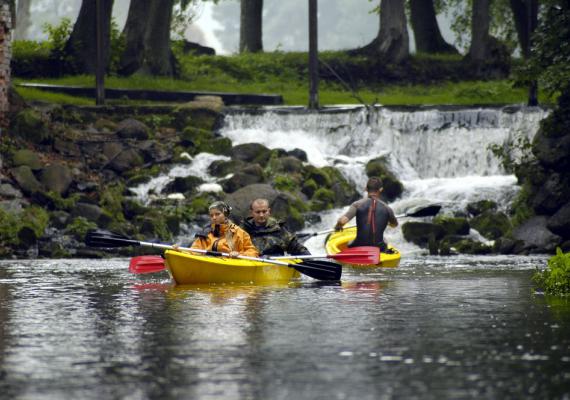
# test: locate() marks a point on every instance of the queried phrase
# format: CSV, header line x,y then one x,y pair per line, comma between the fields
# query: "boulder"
x,y
552,195
56,178
185,185
90,212
491,224
30,125
393,188
247,176
552,151
453,226
126,161
421,233
26,179
131,128
242,198
299,154
536,236
221,168
559,223
66,147
28,158
251,153
7,191
478,207
289,164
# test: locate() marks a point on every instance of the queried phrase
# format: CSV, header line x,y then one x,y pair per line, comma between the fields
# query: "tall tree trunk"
x,y
525,14
82,45
392,42
23,19
480,37
426,30
251,32
147,34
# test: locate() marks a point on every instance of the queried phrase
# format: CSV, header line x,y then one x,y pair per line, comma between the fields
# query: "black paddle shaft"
x,y
317,269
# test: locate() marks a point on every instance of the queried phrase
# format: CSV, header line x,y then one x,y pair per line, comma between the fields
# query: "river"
x,y
459,327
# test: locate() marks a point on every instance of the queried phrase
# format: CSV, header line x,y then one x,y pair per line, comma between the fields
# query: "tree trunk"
x,y
250,32
426,30
392,42
23,19
525,14
480,37
81,45
147,34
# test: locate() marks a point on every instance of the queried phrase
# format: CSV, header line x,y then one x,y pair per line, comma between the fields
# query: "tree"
x,y
426,29
147,35
81,45
22,22
250,33
525,14
392,41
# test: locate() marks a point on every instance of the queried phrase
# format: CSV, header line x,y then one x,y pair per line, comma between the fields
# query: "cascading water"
x,y
441,156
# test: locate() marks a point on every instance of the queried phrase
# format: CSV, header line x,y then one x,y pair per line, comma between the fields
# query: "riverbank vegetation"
x,y
555,279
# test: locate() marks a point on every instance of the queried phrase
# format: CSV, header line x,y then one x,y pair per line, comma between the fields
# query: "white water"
x,y
440,156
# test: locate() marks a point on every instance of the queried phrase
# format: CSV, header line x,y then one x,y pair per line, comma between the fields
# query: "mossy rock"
x,y
319,176
252,153
189,116
222,168
393,188
479,207
421,233
27,157
187,184
452,225
79,227
285,183
492,224
220,145
344,191
323,199
309,188
467,246
30,125
132,208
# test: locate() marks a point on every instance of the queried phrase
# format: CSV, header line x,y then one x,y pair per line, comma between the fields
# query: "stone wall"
x,y
5,57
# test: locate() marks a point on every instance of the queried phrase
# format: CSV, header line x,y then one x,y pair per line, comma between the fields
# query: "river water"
x,y
459,327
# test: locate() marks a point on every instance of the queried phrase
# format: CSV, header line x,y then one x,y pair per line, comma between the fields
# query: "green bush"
x,y
555,279
79,227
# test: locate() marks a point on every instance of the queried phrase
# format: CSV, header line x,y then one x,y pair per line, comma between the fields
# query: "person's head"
x,y
374,187
219,212
260,211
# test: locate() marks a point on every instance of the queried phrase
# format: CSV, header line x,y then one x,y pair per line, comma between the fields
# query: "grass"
x,y
286,74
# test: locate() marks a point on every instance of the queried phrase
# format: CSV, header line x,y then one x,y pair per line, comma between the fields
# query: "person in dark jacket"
x,y
269,235
372,217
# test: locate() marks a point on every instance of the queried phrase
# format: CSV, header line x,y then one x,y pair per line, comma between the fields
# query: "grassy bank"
x,y
286,74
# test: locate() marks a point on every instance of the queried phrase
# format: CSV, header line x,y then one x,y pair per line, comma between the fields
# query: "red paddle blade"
x,y
146,264
363,255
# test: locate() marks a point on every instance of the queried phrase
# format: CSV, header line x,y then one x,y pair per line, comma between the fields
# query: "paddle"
x,y
146,264
363,255
425,211
317,269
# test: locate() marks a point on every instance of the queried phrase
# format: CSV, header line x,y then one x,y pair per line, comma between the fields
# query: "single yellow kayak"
x,y
187,269
338,241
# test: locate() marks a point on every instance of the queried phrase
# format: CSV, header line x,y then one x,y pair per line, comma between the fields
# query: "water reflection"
x,y
88,329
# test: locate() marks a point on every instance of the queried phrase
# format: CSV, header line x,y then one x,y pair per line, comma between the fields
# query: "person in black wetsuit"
x,y
372,217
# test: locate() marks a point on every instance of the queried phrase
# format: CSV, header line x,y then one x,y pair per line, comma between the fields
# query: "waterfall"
x,y
440,155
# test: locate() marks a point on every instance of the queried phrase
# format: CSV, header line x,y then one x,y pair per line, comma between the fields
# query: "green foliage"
x,y
118,44
112,200
550,59
58,35
79,227
35,218
284,183
522,210
555,279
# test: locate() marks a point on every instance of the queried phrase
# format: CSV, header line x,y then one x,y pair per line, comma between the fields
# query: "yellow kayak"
x,y
187,269
338,241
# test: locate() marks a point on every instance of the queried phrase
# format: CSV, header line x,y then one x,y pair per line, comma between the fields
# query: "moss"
x,y
309,188
79,228
323,199
320,176
112,200
284,183
452,226
521,206
61,203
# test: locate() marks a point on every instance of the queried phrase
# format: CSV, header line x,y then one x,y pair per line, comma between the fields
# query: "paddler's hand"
x,y
234,254
338,228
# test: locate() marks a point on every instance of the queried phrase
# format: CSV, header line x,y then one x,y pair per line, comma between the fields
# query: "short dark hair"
x,y
374,184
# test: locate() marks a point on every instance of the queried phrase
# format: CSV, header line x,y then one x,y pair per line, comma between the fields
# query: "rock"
x,y
7,191
298,153
559,223
536,236
28,158
251,153
453,226
26,179
15,206
90,212
197,49
242,198
491,224
247,176
154,152
552,195
393,188
59,219
289,164
56,178
222,168
131,128
421,232
478,207
27,237
553,152
185,185
30,125
467,246
111,149
66,147
126,161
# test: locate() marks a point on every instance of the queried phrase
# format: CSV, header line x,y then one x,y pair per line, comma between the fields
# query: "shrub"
x,y
555,279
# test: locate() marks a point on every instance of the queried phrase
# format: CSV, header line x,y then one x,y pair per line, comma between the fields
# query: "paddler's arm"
x,y
392,220
348,215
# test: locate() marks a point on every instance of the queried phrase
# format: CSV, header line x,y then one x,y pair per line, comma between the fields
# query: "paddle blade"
x,y
363,255
320,269
146,264
102,238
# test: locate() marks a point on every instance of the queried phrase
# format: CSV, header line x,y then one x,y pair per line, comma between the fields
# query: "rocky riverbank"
x,y
65,170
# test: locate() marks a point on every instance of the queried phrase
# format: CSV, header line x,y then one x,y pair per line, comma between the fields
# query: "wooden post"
x,y
532,11
313,57
100,68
